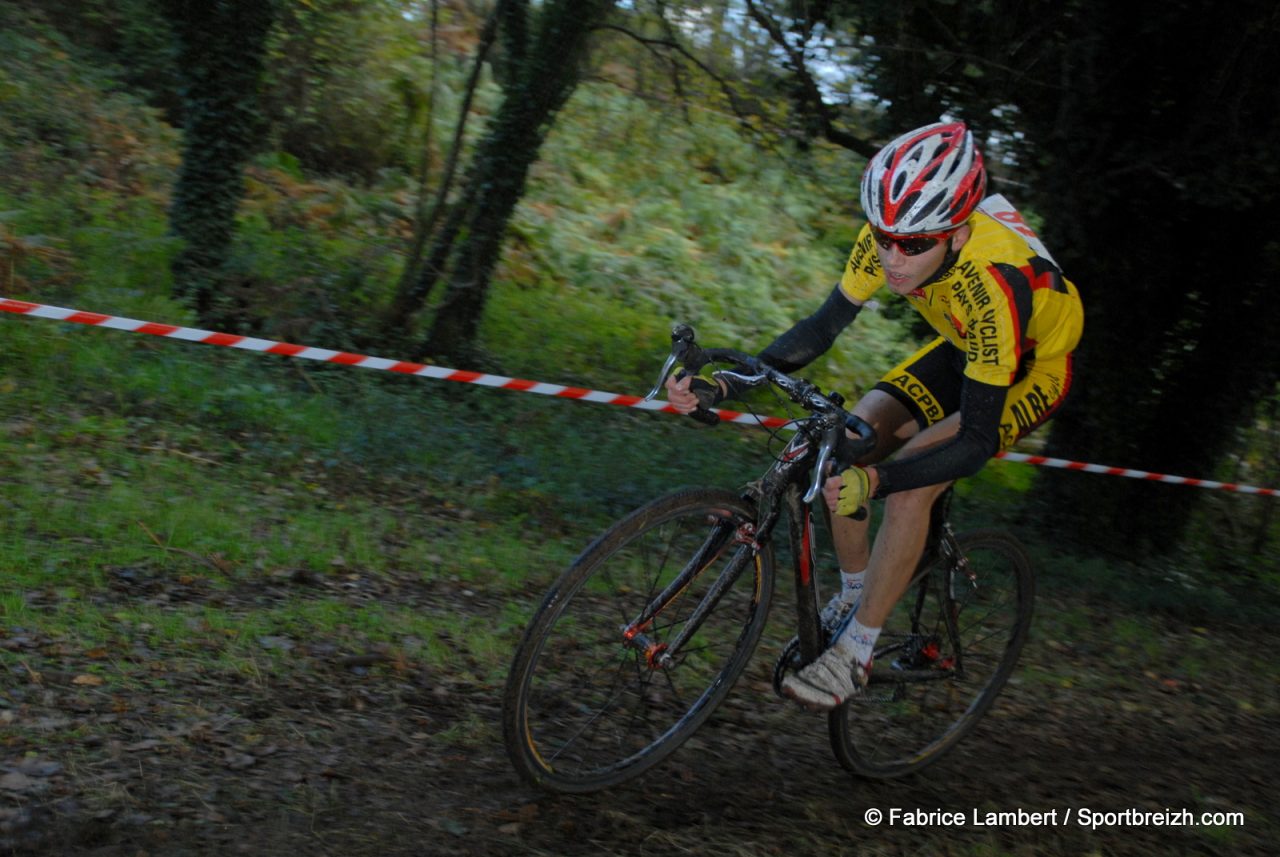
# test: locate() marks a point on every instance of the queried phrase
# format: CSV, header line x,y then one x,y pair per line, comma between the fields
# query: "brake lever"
x,y
662,377
685,351
832,439
682,337
829,438
747,380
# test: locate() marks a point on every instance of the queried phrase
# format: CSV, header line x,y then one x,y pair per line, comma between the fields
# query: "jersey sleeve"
x,y
811,337
862,274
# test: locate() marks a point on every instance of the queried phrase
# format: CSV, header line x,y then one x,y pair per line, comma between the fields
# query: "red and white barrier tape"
x,y
344,358
1064,464
248,343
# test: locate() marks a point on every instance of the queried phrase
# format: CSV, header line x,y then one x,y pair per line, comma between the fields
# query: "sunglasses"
x,y
910,245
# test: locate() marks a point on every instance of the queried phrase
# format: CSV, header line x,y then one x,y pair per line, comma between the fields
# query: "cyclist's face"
x,y
904,274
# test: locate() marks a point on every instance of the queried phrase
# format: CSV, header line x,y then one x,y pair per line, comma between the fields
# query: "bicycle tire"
x,y
919,704
582,710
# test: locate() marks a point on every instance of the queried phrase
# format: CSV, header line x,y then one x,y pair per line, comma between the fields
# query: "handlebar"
x,y
833,420
692,357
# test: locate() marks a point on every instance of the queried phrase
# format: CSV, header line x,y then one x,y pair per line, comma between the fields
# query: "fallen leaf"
x,y
238,761
39,767
148,744
19,782
87,680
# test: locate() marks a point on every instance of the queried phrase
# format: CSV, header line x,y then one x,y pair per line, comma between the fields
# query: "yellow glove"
x,y
854,492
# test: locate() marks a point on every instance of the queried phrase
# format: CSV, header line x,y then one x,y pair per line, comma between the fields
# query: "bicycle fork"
x,y
727,534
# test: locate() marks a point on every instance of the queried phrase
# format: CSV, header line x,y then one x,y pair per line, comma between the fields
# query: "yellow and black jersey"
x,y
1002,301
1007,322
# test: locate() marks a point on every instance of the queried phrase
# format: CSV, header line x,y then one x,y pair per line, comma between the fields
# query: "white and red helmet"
x,y
928,180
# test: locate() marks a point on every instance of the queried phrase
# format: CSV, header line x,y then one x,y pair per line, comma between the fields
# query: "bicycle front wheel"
x,y
602,688
941,660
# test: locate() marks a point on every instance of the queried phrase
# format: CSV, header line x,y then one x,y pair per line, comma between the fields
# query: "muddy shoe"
x,y
827,682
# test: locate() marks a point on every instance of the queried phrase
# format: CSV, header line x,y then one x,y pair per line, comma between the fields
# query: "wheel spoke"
x,y
571,739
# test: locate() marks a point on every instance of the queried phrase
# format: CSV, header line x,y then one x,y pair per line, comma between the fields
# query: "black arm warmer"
x,y
964,455
810,338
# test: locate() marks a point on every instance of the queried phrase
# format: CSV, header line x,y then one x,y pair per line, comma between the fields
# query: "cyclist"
x,y
1007,321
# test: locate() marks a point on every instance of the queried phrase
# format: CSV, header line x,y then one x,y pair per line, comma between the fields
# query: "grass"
x,y
172,512
293,534
171,464
213,536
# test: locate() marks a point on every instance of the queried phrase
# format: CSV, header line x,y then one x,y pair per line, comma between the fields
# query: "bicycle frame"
x,y
779,490
819,440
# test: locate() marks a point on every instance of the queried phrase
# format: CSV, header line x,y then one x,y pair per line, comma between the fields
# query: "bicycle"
x,y
643,636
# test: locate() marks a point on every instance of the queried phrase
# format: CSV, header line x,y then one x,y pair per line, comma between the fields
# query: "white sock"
x,y
851,585
858,641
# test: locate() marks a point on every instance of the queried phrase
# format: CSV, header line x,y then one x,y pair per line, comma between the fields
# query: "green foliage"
x,y
1236,534
313,261
347,85
639,214
128,39
668,220
68,130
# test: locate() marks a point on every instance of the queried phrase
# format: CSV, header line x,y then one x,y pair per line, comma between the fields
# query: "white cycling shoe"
x,y
827,682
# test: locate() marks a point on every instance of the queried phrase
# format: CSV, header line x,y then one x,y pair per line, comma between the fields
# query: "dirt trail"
x,y
361,757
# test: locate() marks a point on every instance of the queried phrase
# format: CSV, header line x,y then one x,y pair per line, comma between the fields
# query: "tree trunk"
x,y
420,276
545,77
504,161
221,47
1180,338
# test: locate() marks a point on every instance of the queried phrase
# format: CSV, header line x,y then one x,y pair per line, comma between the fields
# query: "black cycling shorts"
x,y
929,383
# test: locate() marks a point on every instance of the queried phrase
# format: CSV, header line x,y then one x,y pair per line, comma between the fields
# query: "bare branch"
x,y
741,111
810,93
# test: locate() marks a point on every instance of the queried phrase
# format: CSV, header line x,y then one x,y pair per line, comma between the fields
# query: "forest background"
x,y
541,190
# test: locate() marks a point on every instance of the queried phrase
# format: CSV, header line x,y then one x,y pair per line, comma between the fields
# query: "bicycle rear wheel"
x,y
941,660
585,707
